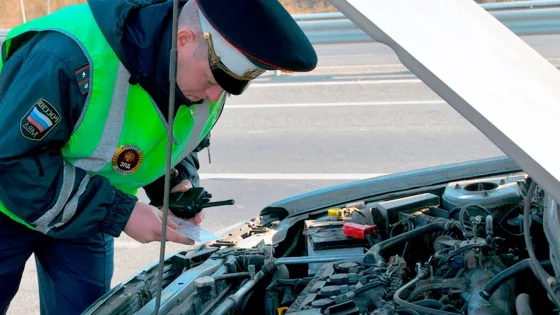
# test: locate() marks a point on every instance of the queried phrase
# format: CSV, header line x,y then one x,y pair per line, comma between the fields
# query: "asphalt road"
x,y
358,115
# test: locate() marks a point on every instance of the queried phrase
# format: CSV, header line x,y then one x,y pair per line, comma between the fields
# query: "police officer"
x,y
83,108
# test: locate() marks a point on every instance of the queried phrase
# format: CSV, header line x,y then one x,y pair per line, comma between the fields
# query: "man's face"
x,y
194,77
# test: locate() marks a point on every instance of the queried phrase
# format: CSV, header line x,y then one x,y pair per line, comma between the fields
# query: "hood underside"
x,y
479,67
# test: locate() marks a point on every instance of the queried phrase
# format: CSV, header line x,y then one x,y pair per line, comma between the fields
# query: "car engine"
x,y
456,248
426,254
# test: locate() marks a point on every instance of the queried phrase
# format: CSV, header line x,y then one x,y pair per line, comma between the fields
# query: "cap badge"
x,y
127,159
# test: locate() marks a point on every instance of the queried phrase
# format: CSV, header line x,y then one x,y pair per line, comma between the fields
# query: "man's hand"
x,y
184,186
144,225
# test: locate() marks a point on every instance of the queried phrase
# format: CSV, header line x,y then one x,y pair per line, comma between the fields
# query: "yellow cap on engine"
x,y
334,212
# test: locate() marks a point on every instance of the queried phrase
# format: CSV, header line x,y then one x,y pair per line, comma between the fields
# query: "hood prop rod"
x,y
167,186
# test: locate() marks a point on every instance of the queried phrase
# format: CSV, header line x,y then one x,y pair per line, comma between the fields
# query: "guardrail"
x,y
498,6
522,18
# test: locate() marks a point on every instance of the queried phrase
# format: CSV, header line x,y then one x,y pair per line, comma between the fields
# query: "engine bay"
x,y
424,254
457,248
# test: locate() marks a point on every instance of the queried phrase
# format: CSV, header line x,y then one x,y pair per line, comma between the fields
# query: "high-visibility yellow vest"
x,y
122,134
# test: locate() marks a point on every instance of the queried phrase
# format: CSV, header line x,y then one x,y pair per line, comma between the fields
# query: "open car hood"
x,y
479,67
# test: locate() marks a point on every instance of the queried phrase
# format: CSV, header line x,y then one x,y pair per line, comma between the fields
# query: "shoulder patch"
x,y
39,120
82,77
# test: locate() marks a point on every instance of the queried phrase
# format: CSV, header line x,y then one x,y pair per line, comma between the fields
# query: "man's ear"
x,y
186,37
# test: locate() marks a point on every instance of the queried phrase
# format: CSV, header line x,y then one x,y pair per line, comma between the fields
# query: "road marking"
x,y
291,176
381,65
324,83
389,103
346,56
265,81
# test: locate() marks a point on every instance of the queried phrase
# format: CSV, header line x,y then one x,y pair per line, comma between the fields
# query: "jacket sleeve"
x,y
186,169
40,102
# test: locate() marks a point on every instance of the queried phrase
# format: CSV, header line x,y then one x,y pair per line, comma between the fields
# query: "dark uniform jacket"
x,y
45,67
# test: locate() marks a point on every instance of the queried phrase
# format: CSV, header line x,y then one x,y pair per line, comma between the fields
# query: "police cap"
x,y
247,37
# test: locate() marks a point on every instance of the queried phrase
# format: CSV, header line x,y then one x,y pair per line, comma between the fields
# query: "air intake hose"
x,y
374,255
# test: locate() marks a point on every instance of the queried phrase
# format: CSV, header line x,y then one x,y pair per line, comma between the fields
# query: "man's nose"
x,y
214,93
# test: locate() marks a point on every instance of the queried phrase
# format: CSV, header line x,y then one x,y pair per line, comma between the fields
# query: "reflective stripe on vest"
x,y
62,202
113,126
200,119
103,153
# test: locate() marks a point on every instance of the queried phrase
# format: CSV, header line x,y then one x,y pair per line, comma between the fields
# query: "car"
x,y
479,237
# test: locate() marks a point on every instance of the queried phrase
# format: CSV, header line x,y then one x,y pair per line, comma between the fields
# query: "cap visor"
x,y
228,83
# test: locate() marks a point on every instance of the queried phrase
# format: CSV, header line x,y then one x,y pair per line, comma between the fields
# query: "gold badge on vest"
x,y
127,159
